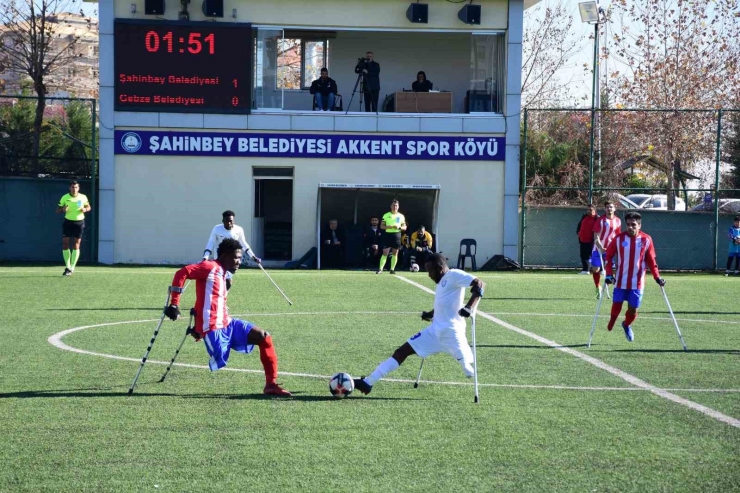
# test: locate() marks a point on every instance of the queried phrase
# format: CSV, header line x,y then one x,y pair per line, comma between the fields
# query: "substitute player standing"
x,y
733,249
446,334
605,229
213,324
392,224
634,251
74,205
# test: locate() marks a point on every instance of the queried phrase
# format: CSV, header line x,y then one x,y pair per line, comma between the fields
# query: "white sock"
x,y
382,370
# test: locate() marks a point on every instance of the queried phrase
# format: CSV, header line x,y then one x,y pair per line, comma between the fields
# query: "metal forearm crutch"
x,y
675,323
475,355
603,266
273,282
596,317
190,330
170,290
418,376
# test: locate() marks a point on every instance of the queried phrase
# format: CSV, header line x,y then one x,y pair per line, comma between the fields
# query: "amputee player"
x,y
392,224
219,331
228,230
634,251
446,334
606,228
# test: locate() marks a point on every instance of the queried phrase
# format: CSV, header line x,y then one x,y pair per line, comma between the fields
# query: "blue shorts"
x,y
219,343
633,297
595,259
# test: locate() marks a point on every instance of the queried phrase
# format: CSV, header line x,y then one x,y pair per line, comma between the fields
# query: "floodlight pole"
x,y
593,113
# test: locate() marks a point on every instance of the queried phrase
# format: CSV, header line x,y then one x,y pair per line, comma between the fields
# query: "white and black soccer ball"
x,y
414,267
341,385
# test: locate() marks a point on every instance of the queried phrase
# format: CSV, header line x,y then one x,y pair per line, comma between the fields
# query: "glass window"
x,y
299,62
266,94
313,60
486,74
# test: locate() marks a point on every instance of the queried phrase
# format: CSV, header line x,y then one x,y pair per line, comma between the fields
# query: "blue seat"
x,y
471,248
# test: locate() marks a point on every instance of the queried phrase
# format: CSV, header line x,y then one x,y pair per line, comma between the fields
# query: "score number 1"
x,y
195,45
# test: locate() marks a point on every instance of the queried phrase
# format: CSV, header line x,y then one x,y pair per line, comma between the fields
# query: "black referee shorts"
x,y
392,240
73,229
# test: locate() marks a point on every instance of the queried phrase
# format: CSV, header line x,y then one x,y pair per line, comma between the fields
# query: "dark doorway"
x,y
273,212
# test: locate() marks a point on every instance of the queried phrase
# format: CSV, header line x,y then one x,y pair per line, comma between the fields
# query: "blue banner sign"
x,y
167,143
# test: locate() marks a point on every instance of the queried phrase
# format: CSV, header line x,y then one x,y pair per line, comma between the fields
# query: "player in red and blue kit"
x,y
634,252
605,229
219,331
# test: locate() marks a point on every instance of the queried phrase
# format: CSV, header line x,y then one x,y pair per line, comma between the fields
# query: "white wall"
x,y
167,206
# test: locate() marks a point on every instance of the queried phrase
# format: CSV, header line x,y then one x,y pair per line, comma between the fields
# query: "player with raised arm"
x,y
392,224
213,324
606,228
446,333
634,251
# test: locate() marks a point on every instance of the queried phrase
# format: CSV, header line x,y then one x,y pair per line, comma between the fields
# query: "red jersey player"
x,y
213,324
605,229
635,252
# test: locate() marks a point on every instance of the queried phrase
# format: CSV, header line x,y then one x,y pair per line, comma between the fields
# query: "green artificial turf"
x,y
547,420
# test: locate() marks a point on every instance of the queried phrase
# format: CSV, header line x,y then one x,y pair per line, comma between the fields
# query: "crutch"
x,y
596,317
170,290
418,377
273,282
475,355
606,286
188,331
675,324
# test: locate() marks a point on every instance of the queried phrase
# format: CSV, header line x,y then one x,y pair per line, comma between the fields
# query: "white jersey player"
x,y
227,230
446,334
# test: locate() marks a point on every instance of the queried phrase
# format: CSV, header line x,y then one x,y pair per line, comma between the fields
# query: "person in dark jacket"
x,y
324,90
586,235
370,80
332,246
372,241
421,84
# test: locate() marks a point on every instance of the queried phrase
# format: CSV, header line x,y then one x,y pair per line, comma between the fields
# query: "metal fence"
x,y
36,166
573,157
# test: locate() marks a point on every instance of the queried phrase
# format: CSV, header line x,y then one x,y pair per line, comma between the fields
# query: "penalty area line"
x,y
600,364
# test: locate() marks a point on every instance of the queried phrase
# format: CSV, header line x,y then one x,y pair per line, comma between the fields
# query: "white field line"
x,y
56,341
600,364
698,320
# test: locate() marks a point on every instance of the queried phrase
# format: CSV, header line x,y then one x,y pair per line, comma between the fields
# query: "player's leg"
x,y
456,344
383,259
66,254
737,263
247,335
394,260
596,270
618,298
634,300
585,252
75,254
728,270
422,343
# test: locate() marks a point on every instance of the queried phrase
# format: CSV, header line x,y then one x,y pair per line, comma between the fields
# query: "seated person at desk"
x,y
421,84
324,90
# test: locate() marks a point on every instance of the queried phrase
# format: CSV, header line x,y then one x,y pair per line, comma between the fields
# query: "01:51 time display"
x,y
154,42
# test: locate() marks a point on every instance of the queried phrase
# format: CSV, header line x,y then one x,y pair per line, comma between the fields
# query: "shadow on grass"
x,y
680,312
527,298
530,346
96,393
105,309
696,351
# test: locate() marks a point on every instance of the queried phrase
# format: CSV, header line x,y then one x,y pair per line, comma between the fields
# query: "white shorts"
x,y
433,340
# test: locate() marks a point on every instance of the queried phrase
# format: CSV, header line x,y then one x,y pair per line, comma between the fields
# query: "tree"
x,y
35,43
731,148
677,54
548,46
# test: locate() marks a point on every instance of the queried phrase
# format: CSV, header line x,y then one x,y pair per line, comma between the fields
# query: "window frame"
x,y
305,85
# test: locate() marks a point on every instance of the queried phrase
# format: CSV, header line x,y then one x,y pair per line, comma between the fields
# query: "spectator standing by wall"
x,y
584,230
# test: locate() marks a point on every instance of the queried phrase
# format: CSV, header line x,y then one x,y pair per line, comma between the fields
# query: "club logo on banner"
x,y
166,143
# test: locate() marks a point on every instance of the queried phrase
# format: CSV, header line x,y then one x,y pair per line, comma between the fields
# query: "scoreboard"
x,y
191,67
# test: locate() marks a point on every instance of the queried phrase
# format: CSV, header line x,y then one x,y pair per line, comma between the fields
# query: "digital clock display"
x,y
193,67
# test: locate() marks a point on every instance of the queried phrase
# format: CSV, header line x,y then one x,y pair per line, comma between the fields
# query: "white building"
x,y
198,117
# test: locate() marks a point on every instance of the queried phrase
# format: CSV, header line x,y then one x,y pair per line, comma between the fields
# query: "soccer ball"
x,y
341,385
414,268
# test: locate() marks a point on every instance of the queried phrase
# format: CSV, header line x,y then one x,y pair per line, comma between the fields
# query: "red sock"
x,y
597,278
629,317
616,310
268,356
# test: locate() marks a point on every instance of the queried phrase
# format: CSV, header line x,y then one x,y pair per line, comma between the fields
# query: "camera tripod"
x,y
361,76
